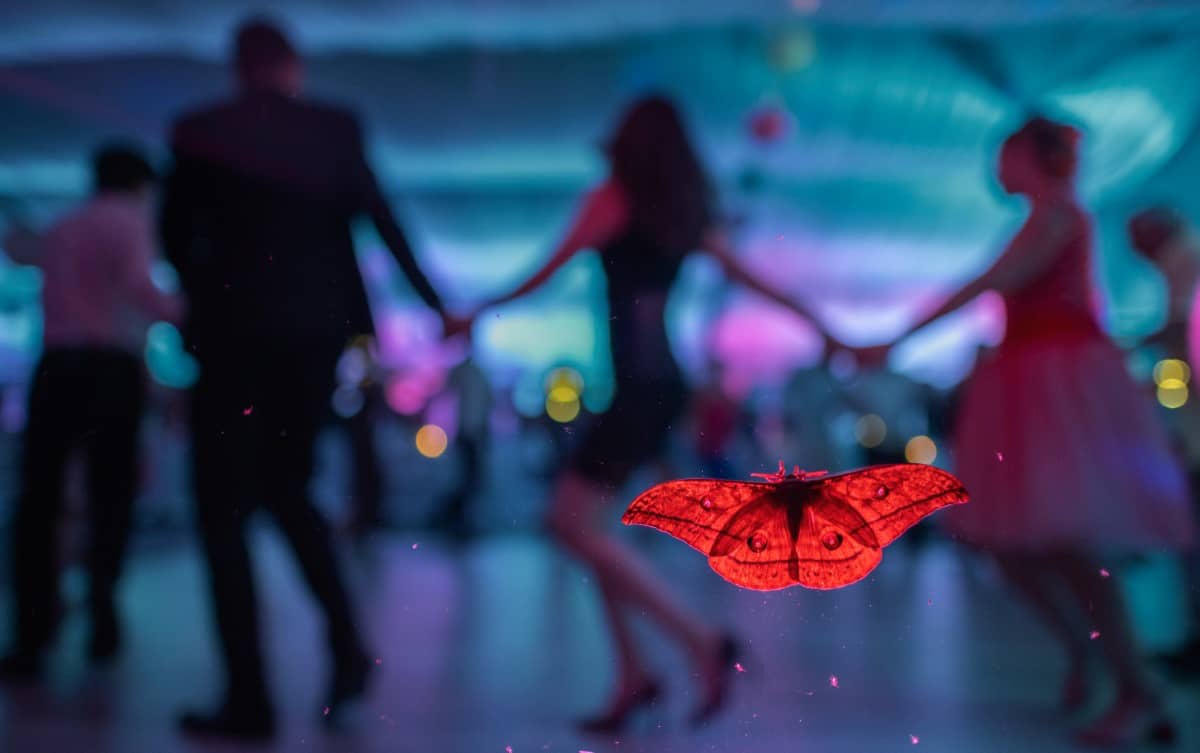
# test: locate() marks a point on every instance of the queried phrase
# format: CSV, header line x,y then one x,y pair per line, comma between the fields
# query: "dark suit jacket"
x,y
257,216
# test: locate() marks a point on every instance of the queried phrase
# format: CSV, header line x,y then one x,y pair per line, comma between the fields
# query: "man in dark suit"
x,y
257,220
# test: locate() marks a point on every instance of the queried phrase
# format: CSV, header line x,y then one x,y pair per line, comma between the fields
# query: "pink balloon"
x,y
769,124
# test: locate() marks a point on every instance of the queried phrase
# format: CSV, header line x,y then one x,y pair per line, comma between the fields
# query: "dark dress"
x,y
650,391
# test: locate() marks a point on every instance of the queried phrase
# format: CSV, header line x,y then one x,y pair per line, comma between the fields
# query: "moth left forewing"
x,y
694,511
756,549
893,498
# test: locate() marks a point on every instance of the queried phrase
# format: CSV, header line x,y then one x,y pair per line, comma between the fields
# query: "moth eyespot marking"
x,y
757,542
831,539
881,491
706,503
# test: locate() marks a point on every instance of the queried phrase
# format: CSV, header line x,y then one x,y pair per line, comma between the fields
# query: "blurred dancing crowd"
x,y
1069,461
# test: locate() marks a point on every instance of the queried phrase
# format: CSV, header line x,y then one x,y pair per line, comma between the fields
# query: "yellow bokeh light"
x,y
1172,394
565,376
562,404
431,440
920,449
562,412
1171,370
870,430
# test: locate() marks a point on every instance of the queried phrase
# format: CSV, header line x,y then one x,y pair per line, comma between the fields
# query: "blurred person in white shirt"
x,y
87,396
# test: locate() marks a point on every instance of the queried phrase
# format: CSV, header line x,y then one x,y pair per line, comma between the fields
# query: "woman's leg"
x,y
577,521
1102,599
1137,715
1036,579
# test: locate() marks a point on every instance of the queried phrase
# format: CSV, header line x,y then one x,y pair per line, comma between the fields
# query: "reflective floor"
x,y
500,644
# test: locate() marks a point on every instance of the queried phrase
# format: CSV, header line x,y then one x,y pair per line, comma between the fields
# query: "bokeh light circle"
x,y
1172,373
920,449
347,401
1172,393
870,430
431,440
565,376
562,404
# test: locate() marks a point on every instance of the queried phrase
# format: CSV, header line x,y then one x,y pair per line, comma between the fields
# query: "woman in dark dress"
x,y
654,208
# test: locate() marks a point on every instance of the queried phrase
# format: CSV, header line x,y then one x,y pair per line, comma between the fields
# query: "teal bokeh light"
x,y
167,360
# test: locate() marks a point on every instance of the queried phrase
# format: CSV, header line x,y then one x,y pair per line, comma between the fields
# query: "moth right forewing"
x,y
835,512
830,557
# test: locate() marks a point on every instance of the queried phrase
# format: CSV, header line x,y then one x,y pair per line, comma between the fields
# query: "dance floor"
x,y
500,644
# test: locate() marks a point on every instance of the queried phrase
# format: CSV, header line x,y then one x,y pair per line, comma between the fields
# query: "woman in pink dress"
x,y
1058,447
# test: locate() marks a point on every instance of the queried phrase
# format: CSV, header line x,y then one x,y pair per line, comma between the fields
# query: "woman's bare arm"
x,y
603,215
1029,255
716,243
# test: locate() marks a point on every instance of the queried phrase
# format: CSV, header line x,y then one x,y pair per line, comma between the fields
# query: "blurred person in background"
x,y
361,382
474,393
87,396
257,220
715,415
1162,236
1057,445
898,410
654,208
812,401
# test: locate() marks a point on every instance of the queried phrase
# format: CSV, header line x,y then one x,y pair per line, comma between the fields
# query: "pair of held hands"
x,y
453,325
869,357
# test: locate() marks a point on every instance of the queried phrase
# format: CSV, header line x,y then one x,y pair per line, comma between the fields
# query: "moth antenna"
x,y
776,477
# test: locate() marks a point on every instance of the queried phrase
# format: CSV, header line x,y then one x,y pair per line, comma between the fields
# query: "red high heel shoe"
x,y
617,717
728,655
1127,724
1076,691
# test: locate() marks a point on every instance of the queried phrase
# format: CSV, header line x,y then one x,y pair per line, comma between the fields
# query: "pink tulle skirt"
x,y
1058,447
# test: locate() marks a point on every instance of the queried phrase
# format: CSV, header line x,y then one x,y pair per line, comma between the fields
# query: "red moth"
x,y
805,528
